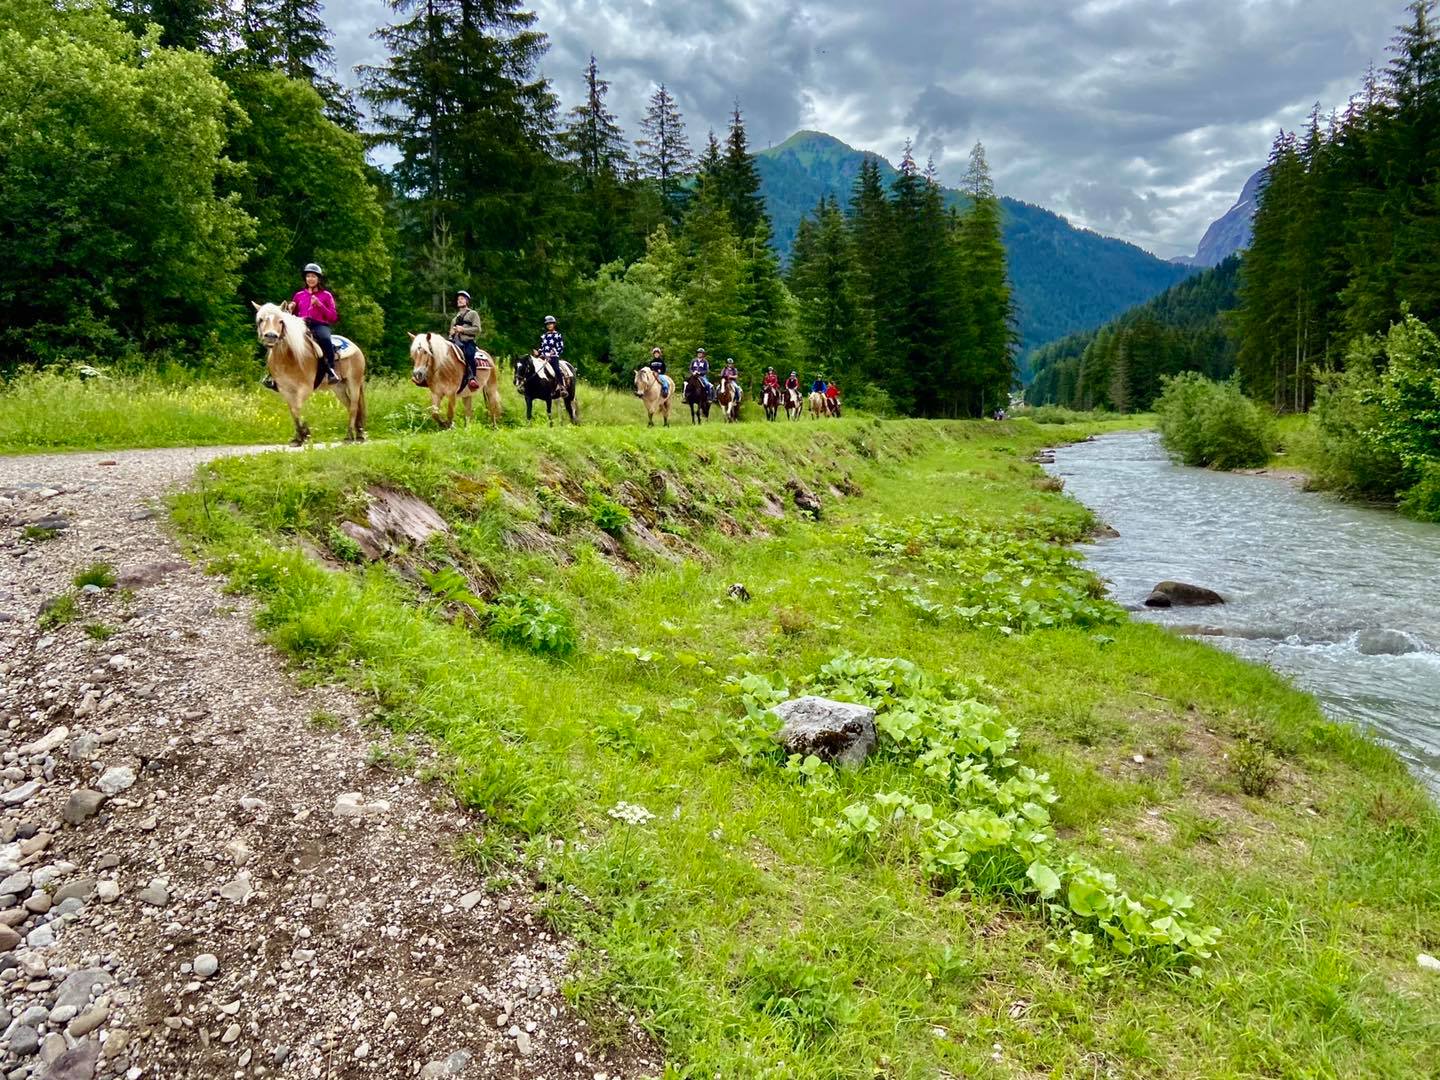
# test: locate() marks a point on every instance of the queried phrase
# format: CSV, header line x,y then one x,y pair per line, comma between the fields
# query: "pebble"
x,y
156,894
87,1022
46,743
108,891
470,899
206,964
83,805
16,883
80,889
522,1043
63,1014
38,903
41,937
9,939
24,1041
116,779
23,793
231,1034
237,890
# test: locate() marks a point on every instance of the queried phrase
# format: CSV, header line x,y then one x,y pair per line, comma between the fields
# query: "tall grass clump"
x,y
1213,424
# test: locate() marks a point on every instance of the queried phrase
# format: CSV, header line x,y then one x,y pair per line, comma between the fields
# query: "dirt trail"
x,y
201,872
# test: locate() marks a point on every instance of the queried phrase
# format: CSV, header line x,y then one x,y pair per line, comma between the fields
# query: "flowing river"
x,y
1343,599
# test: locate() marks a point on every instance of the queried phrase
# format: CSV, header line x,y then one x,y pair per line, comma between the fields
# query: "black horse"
x,y
547,381
698,398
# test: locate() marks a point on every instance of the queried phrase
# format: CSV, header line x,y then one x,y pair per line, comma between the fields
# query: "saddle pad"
x,y
483,362
341,344
566,370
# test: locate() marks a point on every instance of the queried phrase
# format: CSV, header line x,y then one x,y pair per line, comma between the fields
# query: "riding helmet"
x,y
463,293
549,319
313,268
699,352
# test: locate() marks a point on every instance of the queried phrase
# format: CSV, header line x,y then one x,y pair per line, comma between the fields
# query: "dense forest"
x,y
165,163
1121,365
1347,234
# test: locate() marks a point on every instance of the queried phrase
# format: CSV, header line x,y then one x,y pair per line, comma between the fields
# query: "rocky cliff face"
x,y
1230,233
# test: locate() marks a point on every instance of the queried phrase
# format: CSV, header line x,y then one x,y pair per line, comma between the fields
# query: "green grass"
x,y
753,947
99,574
49,411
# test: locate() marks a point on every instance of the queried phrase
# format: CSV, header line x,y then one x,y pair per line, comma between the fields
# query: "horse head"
x,y
422,359
269,323
643,375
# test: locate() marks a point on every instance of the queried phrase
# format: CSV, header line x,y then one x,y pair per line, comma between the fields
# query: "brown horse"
x,y
293,357
818,408
437,364
793,407
656,397
728,398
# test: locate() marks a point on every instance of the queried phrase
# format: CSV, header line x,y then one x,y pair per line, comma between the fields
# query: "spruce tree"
x,y
872,238
593,138
992,314
740,180
290,36
184,24
664,155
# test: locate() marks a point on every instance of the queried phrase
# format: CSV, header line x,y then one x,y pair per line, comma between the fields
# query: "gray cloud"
x,y
1137,118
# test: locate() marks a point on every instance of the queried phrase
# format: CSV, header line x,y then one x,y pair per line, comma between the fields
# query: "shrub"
x,y
344,547
1422,502
1407,420
607,514
1057,414
1255,767
1212,424
1344,418
532,623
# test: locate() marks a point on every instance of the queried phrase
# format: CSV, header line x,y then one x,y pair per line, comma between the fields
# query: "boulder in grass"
x,y
835,731
1179,594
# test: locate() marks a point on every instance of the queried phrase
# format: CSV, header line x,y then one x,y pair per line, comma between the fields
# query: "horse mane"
x,y
296,334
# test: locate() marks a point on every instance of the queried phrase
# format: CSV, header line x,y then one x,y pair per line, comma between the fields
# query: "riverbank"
x,y
571,643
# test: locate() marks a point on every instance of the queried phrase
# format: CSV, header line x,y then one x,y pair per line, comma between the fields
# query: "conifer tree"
x,y
184,24
290,36
593,138
740,180
664,155
987,288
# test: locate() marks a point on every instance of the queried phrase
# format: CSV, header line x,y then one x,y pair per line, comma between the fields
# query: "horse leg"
x,y
296,402
570,408
450,411
492,402
469,409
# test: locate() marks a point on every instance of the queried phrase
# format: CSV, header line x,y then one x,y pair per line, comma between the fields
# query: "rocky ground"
x,y
204,870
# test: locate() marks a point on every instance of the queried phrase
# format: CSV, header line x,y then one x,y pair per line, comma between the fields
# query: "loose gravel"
x,y
197,879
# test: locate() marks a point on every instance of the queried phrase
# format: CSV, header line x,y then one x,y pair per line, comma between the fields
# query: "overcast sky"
x,y
1137,118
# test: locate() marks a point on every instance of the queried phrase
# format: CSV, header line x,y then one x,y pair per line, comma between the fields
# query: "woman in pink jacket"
x,y
316,305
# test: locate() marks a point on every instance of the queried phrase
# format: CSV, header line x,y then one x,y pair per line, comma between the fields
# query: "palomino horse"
x,y
547,380
292,357
698,398
770,401
728,398
793,407
818,408
655,390
437,364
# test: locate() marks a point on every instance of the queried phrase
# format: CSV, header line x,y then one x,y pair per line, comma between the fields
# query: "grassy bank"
x,y
49,412
572,644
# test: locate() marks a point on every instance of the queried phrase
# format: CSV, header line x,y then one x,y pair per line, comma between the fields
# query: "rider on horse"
x,y
792,381
731,373
463,331
657,365
818,386
772,381
701,366
552,345
316,305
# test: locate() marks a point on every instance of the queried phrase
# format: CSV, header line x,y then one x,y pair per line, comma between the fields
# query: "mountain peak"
x,y
1231,233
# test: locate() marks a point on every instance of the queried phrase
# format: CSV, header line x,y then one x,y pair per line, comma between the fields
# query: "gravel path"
x,y
202,874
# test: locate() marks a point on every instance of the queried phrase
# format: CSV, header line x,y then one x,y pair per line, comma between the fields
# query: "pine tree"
x,y
740,180
593,138
872,238
826,281
461,100
290,36
992,306
664,151
184,24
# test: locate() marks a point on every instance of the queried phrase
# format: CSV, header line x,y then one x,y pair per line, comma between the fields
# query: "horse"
x,y
650,389
770,401
728,398
437,364
832,406
698,398
547,380
292,357
818,408
794,407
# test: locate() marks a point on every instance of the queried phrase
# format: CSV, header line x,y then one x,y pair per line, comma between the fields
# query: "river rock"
x,y
22,794
84,803
24,1041
135,577
834,731
45,743
77,1063
1179,594
1387,643
116,779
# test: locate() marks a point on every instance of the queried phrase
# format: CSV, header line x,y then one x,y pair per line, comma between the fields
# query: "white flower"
x,y
630,813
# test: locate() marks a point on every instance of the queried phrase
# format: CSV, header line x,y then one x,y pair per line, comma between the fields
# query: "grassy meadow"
x,y
48,411
572,647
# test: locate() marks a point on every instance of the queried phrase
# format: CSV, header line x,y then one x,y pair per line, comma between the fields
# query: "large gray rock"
x,y
1387,643
77,1063
834,731
1179,594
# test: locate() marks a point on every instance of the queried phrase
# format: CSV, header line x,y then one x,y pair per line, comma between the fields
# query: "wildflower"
x,y
630,814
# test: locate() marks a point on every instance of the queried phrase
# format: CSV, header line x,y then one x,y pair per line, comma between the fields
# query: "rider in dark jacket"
x,y
657,360
701,366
